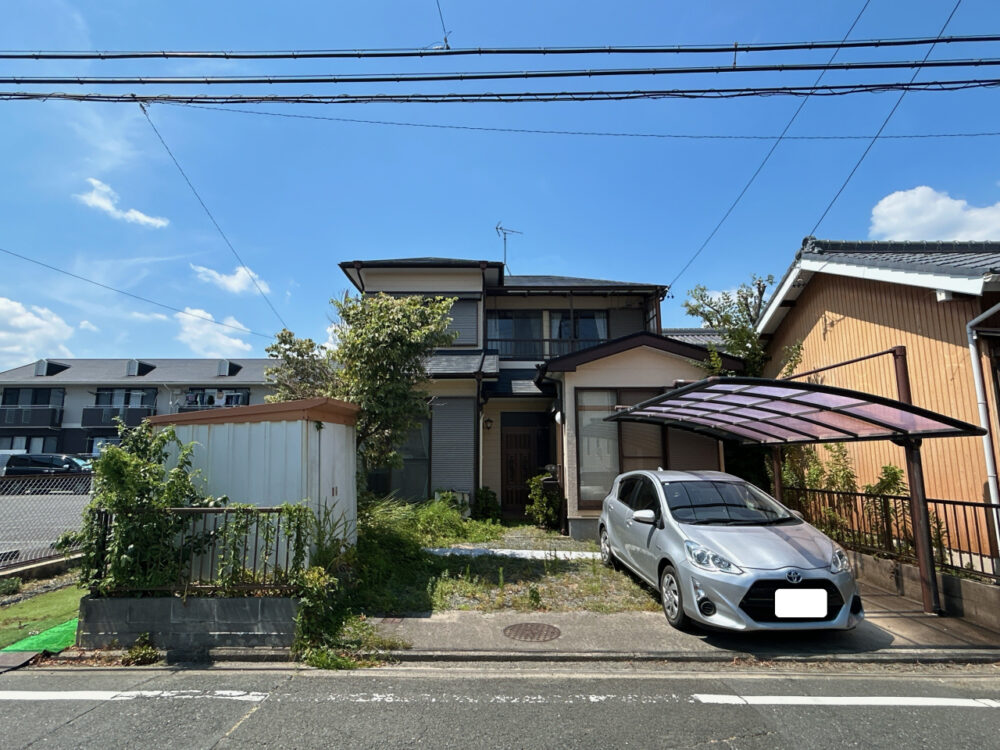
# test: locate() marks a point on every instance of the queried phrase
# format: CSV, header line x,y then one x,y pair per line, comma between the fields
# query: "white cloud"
x,y
86,325
103,198
927,214
239,281
28,334
206,339
147,316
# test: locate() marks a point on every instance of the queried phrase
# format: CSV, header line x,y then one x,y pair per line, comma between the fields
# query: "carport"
x,y
766,412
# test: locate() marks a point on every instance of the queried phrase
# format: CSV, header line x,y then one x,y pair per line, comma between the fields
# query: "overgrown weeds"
x,y
141,653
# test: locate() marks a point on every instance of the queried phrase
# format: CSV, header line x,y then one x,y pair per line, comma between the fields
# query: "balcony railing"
x,y
104,416
30,416
197,407
539,349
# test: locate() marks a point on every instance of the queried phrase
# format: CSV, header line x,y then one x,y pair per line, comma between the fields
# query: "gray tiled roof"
x,y
462,362
699,336
112,371
518,383
569,281
972,259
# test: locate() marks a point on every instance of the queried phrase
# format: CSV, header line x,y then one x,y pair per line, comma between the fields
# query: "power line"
x,y
529,96
177,310
239,260
767,157
726,48
499,75
444,30
881,128
592,133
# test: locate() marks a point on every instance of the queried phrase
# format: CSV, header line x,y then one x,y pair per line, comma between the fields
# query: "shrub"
x,y
9,586
486,507
543,503
141,653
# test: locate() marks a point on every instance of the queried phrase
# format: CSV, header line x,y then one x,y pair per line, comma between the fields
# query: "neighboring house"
x,y
537,364
844,300
69,405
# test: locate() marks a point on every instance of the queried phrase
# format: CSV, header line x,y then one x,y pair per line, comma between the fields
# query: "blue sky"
x,y
89,188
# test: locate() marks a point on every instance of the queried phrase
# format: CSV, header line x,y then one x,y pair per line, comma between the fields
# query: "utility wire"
x,y
177,310
444,30
499,75
239,260
593,133
529,96
879,132
726,48
767,158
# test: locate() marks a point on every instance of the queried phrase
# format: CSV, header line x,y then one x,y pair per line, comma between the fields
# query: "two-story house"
x,y
69,405
538,362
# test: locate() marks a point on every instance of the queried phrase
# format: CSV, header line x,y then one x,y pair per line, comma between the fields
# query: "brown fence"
x,y
35,511
206,550
961,532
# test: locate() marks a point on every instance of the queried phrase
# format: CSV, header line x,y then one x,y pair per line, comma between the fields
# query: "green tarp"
x,y
52,640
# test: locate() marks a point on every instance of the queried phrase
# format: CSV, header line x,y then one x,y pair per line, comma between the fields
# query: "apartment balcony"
x,y
30,416
537,350
196,407
103,417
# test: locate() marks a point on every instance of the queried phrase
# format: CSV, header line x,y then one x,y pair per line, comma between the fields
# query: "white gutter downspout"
x,y
984,415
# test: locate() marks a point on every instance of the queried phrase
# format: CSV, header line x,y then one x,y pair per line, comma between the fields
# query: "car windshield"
x,y
728,503
83,464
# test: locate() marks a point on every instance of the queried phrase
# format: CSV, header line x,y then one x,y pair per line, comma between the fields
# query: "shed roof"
x,y
307,409
782,412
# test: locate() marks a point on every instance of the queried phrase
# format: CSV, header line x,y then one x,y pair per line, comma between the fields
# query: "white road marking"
x,y
127,695
846,700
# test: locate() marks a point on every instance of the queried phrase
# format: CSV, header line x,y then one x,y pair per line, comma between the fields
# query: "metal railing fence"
x,y
962,532
205,550
35,511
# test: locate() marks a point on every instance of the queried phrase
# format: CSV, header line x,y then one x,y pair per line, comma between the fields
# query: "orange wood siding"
x,y
838,318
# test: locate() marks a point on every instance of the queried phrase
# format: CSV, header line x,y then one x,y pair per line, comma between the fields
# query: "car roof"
x,y
674,475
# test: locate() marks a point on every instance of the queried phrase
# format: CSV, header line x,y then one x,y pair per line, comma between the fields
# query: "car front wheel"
x,y
670,596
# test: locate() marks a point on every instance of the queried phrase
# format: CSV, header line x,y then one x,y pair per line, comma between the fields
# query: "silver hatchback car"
x,y
724,553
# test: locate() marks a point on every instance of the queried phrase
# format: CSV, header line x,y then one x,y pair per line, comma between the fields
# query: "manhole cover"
x,y
532,631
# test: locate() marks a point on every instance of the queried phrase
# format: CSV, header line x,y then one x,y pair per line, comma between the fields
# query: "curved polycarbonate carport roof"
x,y
783,412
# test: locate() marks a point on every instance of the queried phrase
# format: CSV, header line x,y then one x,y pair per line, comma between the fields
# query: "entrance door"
x,y
524,452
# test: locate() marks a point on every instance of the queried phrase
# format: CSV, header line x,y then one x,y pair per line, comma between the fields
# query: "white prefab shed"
x,y
271,454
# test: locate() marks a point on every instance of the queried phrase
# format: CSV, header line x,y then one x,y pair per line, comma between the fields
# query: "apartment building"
x,y
538,362
70,405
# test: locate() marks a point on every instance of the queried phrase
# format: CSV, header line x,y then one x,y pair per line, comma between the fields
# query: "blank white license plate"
x,y
800,603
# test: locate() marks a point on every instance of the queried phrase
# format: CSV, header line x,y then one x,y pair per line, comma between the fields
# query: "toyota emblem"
x,y
793,576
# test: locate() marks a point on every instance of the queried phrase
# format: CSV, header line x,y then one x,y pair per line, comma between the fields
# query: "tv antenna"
x,y
502,231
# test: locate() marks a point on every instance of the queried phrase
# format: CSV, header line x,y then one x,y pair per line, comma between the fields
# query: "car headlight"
x,y
839,563
706,559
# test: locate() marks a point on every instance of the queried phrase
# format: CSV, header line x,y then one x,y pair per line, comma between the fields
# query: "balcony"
x,y
196,407
30,416
537,350
103,417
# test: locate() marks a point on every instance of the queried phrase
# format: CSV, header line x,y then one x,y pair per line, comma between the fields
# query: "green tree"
x,y
304,369
382,346
735,315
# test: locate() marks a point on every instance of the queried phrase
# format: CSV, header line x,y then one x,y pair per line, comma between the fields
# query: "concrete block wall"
x,y
195,623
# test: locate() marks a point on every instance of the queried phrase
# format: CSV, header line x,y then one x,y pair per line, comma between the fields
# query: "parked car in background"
x,y
724,553
28,464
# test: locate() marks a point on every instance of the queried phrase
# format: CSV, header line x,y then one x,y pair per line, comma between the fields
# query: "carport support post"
x,y
779,489
921,526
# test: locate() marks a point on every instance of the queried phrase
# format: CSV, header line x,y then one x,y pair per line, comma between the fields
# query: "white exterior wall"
x,y
270,463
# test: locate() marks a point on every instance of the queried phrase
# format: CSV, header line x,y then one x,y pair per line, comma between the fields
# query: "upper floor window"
x,y
465,322
583,327
125,397
33,396
515,333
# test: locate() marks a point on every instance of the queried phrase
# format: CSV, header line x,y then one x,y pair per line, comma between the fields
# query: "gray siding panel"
x,y
623,322
453,456
465,321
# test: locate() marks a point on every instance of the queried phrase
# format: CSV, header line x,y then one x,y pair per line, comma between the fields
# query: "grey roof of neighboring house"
x,y
112,372
563,282
462,363
699,336
420,263
951,258
518,384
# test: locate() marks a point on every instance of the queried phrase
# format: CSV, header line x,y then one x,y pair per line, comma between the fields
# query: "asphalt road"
x,y
486,707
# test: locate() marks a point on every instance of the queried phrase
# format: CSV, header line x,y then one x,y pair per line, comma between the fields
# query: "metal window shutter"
x,y
453,455
465,321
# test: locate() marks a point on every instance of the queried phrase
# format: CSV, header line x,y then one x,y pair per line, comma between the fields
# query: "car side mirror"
x,y
644,516
797,514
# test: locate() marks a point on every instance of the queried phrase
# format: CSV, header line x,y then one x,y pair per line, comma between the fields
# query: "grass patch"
x,y
358,643
39,613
